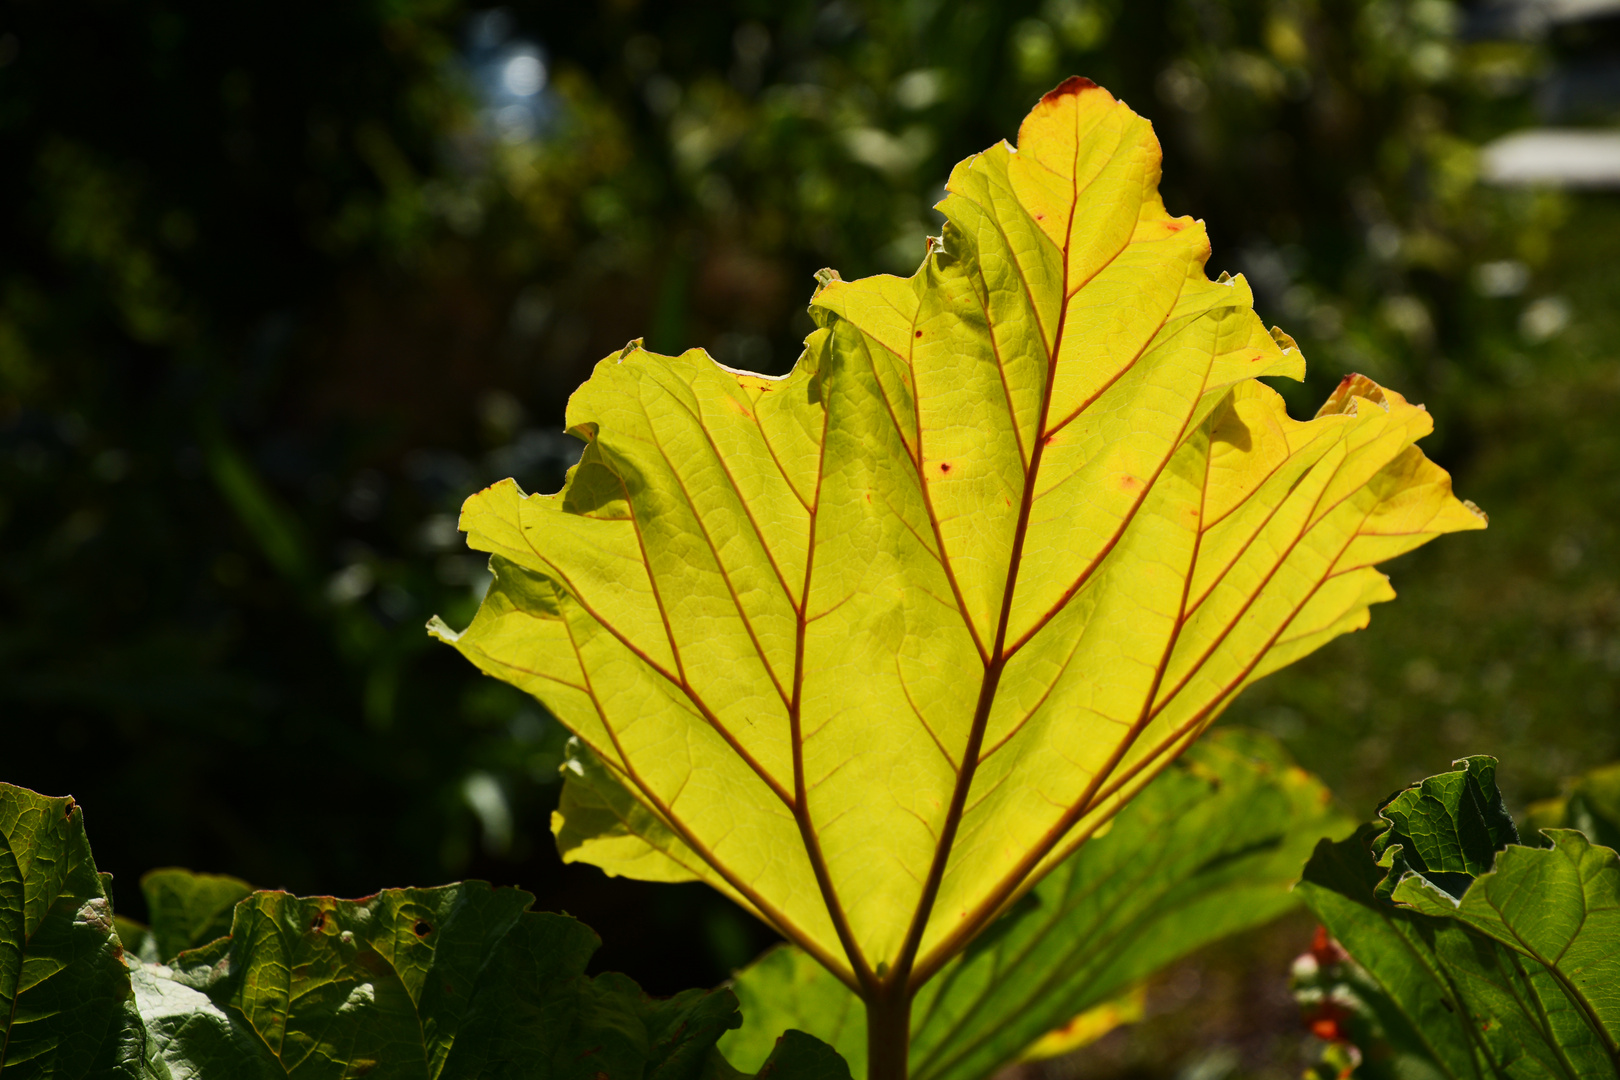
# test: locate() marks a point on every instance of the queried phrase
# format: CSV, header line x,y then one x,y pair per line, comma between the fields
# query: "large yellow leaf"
x,y
875,644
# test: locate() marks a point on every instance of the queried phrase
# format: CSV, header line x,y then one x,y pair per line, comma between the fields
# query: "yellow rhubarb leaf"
x,y
881,641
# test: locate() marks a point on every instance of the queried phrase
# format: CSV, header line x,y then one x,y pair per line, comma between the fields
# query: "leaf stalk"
x,y
888,1031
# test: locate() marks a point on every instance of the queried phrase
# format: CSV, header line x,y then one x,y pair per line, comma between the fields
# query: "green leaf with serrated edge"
x,y
1448,827
189,909
451,983
1558,909
458,981
1209,848
1518,980
63,987
885,639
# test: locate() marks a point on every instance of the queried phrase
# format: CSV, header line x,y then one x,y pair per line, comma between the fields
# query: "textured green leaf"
x,y
63,988
1398,951
1559,909
455,982
1520,978
451,983
188,909
1207,849
1448,827
885,640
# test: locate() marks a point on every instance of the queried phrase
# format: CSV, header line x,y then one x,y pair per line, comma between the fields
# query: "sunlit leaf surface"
x,y
884,640
1208,849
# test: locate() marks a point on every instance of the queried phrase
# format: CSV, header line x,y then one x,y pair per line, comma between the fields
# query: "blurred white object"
x,y
1544,319
1558,157
1505,277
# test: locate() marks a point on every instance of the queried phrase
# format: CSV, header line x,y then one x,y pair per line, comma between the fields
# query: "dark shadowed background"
x,y
281,284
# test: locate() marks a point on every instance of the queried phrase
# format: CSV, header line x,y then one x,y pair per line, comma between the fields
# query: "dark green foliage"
x,y
1519,977
62,984
451,983
187,909
1447,828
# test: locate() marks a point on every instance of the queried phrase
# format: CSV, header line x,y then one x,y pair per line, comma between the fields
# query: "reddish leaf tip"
x,y
1074,84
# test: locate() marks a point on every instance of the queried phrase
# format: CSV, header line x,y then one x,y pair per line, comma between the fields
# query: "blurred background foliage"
x,y
281,284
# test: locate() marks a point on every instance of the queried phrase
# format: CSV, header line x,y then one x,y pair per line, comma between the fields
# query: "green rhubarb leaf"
x,y
883,641
63,987
461,981
1518,978
1558,909
1209,848
1399,951
188,909
1447,828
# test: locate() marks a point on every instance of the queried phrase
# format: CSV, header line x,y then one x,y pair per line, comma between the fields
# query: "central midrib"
x,y
901,975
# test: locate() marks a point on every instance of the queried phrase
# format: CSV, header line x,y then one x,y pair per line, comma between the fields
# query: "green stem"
x,y
888,1031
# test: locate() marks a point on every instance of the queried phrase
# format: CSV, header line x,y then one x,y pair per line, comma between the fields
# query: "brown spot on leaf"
x,y
919,333
1074,84
1127,482
944,467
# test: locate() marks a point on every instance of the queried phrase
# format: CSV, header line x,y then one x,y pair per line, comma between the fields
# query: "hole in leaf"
x,y
423,928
